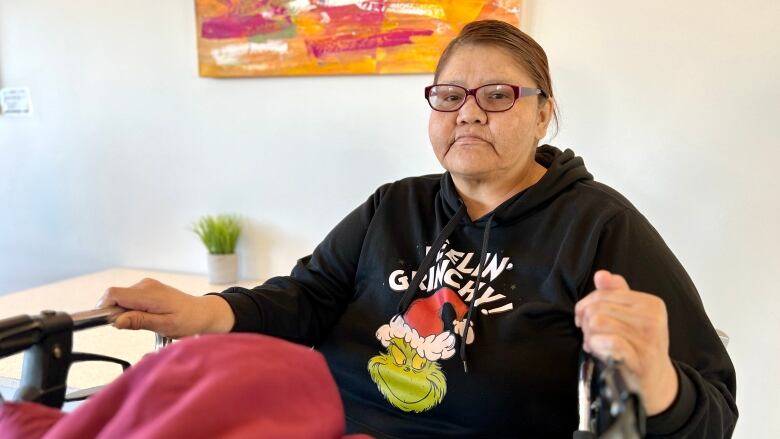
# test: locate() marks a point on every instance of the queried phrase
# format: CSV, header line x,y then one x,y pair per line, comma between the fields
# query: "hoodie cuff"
x,y
246,311
676,416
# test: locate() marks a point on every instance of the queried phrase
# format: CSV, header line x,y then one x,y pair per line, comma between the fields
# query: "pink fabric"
x,y
27,420
227,386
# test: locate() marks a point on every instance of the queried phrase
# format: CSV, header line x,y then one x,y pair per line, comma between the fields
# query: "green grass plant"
x,y
219,233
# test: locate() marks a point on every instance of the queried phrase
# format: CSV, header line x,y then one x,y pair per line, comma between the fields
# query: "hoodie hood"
x,y
564,168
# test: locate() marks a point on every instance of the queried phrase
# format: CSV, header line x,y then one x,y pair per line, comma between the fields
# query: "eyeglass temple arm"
x,y
529,91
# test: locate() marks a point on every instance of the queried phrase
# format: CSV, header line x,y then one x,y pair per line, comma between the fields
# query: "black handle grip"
x,y
12,322
18,333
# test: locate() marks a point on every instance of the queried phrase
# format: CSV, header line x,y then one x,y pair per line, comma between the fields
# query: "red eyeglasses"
x,y
490,97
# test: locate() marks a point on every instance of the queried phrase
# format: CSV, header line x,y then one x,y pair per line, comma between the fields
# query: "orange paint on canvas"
x,y
320,37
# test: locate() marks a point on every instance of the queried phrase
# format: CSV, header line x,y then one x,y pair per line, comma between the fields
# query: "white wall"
x,y
129,146
675,104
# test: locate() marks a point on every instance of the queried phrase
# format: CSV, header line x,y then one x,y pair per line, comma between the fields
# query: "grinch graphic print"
x,y
408,373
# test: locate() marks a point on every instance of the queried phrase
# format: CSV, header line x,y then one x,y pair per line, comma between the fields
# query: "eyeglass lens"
x,y
493,97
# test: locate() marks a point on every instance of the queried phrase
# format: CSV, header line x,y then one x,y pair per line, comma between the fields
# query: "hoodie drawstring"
x,y
480,264
428,261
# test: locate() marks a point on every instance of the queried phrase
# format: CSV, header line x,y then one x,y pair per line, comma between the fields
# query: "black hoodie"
x,y
399,359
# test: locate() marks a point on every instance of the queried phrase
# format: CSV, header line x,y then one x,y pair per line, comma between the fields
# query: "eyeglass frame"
x,y
520,92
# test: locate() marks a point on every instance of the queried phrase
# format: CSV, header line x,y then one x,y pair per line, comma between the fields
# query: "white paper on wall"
x,y
15,101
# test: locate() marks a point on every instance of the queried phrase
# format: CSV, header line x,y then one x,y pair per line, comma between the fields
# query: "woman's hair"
x,y
521,47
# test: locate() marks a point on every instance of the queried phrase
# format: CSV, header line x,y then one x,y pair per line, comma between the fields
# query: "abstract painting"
x,y
333,37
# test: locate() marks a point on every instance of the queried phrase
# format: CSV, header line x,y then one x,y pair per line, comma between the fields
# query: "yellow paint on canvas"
x,y
250,38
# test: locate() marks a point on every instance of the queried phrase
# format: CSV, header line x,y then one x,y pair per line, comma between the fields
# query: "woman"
x,y
515,242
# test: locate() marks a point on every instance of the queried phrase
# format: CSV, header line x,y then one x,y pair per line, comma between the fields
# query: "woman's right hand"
x,y
167,311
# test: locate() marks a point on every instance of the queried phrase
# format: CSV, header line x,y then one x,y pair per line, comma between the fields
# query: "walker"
x,y
610,405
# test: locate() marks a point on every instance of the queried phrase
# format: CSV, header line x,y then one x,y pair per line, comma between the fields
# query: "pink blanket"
x,y
226,386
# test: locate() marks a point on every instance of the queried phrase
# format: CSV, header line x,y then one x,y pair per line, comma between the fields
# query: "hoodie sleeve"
x,y
705,405
303,306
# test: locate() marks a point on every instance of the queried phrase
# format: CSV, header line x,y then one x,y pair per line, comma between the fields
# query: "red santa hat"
x,y
423,328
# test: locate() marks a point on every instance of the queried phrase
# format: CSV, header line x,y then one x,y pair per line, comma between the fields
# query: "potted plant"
x,y
219,234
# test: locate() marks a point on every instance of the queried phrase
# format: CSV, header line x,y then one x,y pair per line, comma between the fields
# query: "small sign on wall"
x,y
15,101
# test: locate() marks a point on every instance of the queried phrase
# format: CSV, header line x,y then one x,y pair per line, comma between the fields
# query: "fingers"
x,y
630,326
135,320
607,334
615,324
610,288
645,314
615,302
118,296
140,296
629,314
157,307
604,280
604,347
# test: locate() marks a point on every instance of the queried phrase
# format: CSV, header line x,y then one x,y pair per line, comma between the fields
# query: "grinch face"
x,y
407,380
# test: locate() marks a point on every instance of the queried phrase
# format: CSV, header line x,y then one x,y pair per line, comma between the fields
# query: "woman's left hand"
x,y
630,326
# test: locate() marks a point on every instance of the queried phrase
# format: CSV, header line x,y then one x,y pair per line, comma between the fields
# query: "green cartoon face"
x,y
407,380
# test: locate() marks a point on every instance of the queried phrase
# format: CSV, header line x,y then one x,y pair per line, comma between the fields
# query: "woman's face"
x,y
473,144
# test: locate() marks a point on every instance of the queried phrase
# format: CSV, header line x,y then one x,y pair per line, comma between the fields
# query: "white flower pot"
x,y
223,269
